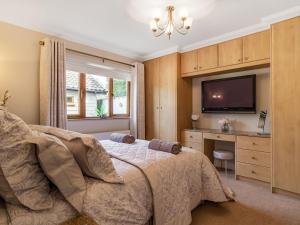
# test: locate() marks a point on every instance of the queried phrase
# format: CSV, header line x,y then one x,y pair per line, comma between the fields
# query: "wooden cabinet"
x,y
192,139
253,157
152,97
256,46
231,52
208,57
168,98
189,61
285,82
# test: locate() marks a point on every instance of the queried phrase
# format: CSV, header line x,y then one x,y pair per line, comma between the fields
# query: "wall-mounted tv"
x,y
229,95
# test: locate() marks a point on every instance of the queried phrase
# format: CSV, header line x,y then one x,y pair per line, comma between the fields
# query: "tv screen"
x,y
236,94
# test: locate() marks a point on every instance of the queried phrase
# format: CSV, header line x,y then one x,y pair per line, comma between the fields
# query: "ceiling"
x,y
112,25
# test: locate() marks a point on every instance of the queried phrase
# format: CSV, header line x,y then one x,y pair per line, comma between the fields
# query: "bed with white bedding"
x,y
157,184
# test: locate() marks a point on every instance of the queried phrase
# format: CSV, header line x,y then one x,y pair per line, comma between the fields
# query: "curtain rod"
x,y
88,54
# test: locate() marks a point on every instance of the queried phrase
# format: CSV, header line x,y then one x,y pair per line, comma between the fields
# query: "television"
x,y
229,95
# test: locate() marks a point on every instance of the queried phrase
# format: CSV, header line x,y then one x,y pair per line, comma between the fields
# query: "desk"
x,y
252,151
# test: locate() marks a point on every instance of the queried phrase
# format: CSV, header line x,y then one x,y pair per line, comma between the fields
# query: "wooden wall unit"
x,y
231,52
257,46
249,52
286,104
168,98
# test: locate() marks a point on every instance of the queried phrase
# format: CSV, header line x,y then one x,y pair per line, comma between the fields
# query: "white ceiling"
x,y
109,24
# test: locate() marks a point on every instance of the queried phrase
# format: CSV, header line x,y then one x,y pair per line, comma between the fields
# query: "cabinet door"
x,y
168,87
231,52
286,104
256,46
189,62
208,57
152,98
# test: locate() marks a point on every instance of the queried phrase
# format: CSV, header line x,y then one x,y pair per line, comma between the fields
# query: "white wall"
x,y
241,122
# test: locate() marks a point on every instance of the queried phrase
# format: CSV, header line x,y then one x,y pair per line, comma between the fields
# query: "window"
x,y
95,96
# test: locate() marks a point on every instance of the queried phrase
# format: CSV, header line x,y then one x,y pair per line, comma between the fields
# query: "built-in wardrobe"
x,y
168,98
286,105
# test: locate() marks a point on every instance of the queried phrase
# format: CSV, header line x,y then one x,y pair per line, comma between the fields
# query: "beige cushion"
x,y
61,168
92,158
22,181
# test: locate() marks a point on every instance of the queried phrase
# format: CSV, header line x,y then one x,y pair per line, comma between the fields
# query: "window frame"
x,y
82,101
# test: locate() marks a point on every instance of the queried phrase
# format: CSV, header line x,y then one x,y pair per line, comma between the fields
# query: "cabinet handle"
x,y
246,58
239,60
253,143
191,136
200,67
218,136
253,157
195,68
253,172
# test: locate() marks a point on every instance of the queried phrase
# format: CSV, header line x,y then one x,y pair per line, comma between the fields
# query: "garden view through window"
x,y
90,96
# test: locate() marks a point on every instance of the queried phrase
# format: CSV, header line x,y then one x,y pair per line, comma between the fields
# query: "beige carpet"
x,y
255,205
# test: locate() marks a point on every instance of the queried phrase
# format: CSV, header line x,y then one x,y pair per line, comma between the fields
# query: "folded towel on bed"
x,y
165,146
122,138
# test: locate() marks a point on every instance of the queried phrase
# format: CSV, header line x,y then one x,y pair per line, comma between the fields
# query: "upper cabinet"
x,y
189,62
248,52
231,52
208,57
256,46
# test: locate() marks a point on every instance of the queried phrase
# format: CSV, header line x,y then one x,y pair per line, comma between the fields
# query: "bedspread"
x,y
178,182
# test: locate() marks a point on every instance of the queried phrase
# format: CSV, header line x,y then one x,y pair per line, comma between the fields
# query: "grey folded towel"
x,y
122,138
165,146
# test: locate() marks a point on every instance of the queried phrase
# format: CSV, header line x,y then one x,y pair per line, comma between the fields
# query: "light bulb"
x,y
153,26
183,14
169,29
188,23
157,14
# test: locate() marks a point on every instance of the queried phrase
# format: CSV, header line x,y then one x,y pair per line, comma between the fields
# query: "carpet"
x,y
254,205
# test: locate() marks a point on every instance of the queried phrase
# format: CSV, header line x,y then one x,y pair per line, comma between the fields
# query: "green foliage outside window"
x,y
120,88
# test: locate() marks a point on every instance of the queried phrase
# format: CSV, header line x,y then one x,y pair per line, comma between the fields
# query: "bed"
x,y
157,185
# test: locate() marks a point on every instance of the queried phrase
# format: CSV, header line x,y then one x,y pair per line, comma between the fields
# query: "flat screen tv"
x,y
229,95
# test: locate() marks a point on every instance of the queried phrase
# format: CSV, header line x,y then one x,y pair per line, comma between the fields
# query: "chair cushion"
x,y
224,155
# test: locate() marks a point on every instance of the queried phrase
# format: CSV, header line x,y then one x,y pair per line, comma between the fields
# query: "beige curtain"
x,y
53,84
137,119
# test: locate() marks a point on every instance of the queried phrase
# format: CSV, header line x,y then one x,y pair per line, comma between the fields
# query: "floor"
x,y
254,205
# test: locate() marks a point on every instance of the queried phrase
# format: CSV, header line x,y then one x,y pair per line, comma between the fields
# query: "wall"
x,y
242,122
19,72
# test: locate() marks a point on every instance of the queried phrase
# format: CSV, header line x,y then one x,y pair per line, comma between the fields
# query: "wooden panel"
x,y
254,143
193,145
152,98
257,172
257,46
231,52
168,97
254,157
221,137
208,57
189,62
286,104
191,136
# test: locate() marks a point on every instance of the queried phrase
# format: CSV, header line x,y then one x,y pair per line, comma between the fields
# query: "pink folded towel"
x,y
165,146
122,138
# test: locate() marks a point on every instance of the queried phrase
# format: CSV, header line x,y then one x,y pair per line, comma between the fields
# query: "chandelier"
x,y
168,28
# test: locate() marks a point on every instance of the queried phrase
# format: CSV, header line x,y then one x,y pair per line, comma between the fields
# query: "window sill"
x,y
97,118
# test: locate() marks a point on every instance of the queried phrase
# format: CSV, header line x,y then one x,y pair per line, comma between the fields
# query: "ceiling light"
x,y
158,27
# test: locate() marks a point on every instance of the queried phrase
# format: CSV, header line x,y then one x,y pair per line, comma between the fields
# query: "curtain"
x,y
137,119
53,110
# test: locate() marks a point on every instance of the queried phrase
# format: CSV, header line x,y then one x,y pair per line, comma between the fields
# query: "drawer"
x,y
193,145
254,157
254,143
253,171
191,136
221,137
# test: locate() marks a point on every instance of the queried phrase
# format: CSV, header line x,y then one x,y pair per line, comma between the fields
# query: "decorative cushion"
x,y
92,158
22,181
61,168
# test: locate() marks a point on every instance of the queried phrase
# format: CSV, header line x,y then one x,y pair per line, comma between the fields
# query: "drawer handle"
x,y
253,157
191,136
253,172
218,136
253,143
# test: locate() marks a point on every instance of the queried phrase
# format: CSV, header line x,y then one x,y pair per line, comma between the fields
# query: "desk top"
x,y
231,132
